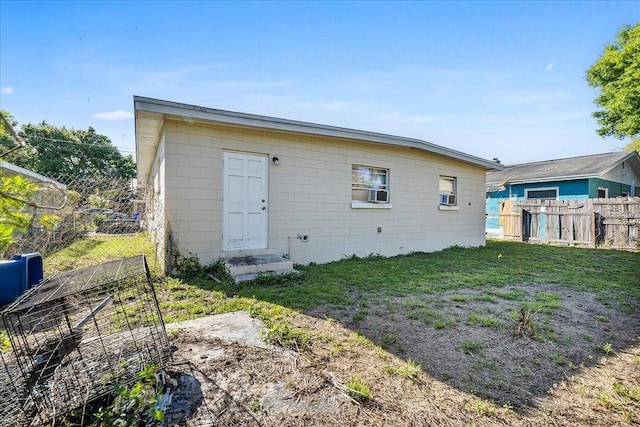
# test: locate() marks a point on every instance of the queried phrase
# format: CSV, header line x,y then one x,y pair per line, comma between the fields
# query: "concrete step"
x,y
248,267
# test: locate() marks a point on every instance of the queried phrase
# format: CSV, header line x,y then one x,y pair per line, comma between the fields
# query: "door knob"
x,y
264,207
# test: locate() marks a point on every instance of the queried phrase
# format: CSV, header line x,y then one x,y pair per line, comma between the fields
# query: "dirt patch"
x,y
468,338
245,385
526,381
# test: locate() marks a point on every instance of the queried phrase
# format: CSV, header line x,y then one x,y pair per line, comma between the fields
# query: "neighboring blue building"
x,y
605,175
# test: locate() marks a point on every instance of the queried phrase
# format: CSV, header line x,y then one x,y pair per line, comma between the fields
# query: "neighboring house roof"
x,y
10,169
571,168
150,114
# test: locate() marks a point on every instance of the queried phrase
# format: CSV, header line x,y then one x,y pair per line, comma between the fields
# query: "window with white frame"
x,y
447,187
369,184
550,193
603,192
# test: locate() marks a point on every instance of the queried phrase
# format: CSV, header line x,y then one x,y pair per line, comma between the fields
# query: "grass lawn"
x,y
98,248
512,332
614,276
506,322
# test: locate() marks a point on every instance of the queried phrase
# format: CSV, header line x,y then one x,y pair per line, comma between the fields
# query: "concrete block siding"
x,y
310,193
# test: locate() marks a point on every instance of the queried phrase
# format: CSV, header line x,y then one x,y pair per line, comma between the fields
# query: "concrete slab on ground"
x,y
248,267
237,326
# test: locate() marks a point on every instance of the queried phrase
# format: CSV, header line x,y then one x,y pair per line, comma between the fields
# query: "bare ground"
x,y
472,374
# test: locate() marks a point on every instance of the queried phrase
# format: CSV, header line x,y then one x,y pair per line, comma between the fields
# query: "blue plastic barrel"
x,y
18,274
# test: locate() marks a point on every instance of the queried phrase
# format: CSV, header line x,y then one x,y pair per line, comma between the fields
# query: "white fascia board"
x,y
285,125
551,178
626,158
148,130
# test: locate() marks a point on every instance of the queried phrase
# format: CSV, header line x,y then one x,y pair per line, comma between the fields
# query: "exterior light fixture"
x,y
275,160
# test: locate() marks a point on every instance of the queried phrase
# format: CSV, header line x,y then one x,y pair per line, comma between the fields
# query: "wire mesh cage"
x,y
76,335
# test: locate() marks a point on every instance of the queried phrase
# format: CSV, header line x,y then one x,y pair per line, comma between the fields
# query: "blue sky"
x,y
493,79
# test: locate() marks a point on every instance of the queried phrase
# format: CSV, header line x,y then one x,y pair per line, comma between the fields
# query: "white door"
x,y
245,202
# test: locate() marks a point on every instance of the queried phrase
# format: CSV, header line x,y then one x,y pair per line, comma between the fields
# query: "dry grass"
x,y
524,324
607,394
311,387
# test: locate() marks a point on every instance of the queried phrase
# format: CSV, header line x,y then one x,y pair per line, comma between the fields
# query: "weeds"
x,y
5,343
360,315
605,349
127,407
287,336
474,318
486,298
358,340
441,323
255,405
545,302
357,389
189,267
459,298
469,346
558,359
409,370
524,326
388,339
485,408
627,393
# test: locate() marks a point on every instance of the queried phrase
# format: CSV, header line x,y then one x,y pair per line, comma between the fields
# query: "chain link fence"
x,y
72,221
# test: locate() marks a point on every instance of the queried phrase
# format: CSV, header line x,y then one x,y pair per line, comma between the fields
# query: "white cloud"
x,y
113,115
7,90
549,66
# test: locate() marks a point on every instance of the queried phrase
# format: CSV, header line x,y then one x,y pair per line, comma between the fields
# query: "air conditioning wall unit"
x,y
378,196
448,199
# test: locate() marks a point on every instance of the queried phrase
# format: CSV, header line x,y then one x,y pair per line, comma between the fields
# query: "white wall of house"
x,y
626,172
310,194
155,212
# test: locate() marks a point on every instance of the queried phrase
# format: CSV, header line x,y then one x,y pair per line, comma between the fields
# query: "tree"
x,y
633,145
71,152
6,142
10,149
17,197
15,194
54,151
617,74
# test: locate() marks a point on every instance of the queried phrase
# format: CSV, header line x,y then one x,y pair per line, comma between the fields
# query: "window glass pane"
x,y
447,185
364,178
542,194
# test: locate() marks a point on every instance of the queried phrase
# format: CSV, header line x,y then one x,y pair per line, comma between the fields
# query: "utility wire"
x,y
74,143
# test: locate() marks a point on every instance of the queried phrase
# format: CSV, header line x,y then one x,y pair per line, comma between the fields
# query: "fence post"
x,y
594,240
525,229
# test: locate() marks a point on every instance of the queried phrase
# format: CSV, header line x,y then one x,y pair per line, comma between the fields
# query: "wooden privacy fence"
x,y
612,223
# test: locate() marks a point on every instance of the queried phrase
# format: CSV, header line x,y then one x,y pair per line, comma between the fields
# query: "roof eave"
x,y
624,159
541,180
33,175
168,108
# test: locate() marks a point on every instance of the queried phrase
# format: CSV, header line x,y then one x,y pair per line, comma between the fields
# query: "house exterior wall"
x,y
567,190
615,189
310,194
155,212
627,175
